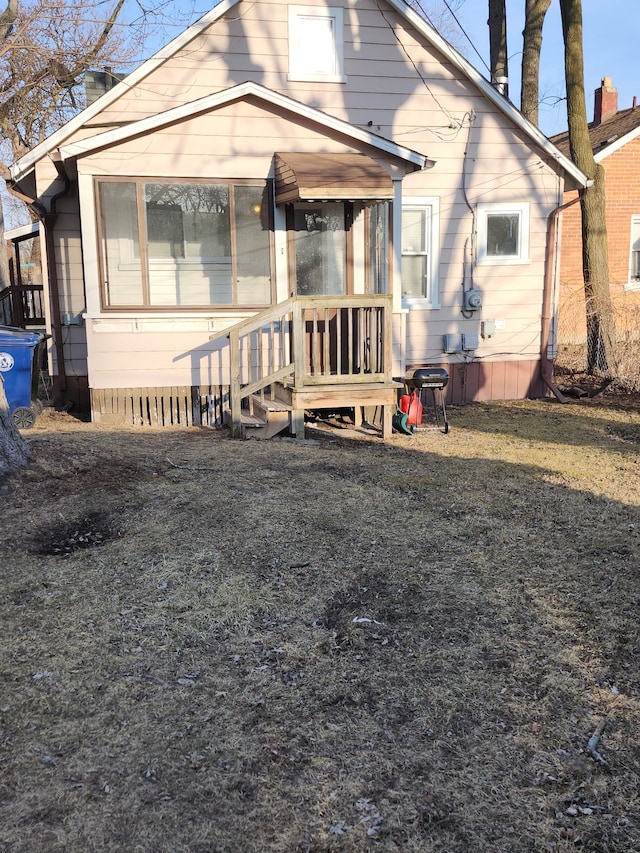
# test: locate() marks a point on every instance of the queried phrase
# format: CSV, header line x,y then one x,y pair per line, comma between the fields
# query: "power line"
x,y
464,33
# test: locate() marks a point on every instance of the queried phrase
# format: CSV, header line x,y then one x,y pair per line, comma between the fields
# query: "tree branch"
x,y
8,18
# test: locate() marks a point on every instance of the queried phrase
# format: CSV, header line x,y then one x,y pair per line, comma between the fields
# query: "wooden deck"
x,y
312,353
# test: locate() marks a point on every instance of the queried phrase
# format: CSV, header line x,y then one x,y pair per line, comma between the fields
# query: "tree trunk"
x,y
13,448
498,60
535,11
601,339
498,42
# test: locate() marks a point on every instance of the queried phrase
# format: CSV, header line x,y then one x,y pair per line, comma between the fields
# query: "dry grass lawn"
x,y
212,646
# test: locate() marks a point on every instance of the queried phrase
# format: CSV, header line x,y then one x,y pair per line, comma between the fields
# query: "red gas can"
x,y
410,404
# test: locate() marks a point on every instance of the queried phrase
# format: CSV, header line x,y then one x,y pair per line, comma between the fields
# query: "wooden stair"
x,y
310,352
284,410
265,418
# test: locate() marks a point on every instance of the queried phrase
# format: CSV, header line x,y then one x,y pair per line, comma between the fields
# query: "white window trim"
x,y
632,284
296,73
522,255
431,301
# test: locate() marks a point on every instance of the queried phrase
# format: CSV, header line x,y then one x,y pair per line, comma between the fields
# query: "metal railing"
x,y
22,305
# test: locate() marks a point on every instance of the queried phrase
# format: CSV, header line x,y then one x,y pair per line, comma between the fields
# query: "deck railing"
x,y
310,340
22,305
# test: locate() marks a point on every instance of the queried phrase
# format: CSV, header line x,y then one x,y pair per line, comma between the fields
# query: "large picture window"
x,y
184,244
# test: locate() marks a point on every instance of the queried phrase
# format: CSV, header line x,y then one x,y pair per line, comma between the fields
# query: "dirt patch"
x,y
337,645
64,537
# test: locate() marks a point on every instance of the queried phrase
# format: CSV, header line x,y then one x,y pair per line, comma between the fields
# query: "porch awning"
x,y
330,177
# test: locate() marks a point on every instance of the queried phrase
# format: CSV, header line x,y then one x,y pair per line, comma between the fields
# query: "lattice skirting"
x,y
160,407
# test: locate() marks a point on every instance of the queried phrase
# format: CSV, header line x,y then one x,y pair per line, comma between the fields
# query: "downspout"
x,y
546,364
48,219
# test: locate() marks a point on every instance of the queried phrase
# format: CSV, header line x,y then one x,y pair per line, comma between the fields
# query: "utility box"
x,y
470,341
489,328
452,343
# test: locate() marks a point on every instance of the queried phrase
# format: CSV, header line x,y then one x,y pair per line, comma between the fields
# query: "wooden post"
x,y
235,403
298,356
387,346
387,425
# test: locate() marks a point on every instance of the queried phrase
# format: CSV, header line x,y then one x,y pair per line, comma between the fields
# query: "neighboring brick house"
x,y
615,139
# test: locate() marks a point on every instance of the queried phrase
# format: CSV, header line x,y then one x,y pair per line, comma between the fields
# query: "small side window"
x,y
503,233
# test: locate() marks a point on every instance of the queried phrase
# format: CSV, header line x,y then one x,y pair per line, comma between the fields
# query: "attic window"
x,y
316,49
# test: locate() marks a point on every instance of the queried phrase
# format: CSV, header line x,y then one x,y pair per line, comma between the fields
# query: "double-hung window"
x,y
503,233
167,245
634,255
316,44
420,241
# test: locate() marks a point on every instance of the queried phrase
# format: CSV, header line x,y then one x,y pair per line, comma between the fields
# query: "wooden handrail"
x,y
252,324
309,341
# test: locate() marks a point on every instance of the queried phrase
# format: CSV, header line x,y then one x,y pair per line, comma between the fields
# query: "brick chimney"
x,y
605,102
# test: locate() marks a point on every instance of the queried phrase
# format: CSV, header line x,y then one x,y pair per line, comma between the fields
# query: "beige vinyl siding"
x,y
425,107
130,354
235,141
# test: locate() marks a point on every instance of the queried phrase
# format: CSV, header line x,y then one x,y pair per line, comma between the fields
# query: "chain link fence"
x,y
580,338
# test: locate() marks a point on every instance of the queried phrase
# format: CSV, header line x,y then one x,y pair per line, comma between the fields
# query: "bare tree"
x,y
44,52
599,314
46,47
535,11
441,14
595,254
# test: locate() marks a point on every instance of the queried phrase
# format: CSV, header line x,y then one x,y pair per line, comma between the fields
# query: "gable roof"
x,y
240,92
608,136
25,163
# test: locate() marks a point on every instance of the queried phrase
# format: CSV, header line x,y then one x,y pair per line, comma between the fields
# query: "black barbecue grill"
x,y
433,379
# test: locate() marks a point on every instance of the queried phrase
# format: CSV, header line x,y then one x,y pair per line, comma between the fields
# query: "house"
x,y
615,140
312,199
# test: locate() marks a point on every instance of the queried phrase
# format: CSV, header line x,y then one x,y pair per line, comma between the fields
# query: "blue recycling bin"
x,y
19,351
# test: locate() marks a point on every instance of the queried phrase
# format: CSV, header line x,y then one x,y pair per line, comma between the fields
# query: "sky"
x,y
611,33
